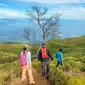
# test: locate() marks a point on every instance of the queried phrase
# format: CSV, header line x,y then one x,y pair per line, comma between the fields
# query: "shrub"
x,y
4,77
16,69
36,63
66,67
57,77
82,68
76,81
8,71
7,57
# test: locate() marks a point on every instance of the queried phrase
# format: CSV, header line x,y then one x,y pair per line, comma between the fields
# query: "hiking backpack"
x,y
23,60
44,52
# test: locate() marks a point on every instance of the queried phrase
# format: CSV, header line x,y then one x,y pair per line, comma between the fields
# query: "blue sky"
x,y
13,19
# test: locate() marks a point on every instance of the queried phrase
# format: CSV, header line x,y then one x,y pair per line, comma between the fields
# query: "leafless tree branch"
x,y
48,25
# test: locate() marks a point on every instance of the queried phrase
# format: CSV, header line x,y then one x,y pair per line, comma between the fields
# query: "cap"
x,y
43,43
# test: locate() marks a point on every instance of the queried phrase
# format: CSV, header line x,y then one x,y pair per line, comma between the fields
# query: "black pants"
x,y
58,63
45,68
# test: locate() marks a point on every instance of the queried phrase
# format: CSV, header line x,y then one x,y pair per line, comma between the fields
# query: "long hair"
x,y
60,49
24,49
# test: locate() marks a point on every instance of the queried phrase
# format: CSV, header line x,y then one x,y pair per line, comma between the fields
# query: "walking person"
x,y
44,56
59,56
25,62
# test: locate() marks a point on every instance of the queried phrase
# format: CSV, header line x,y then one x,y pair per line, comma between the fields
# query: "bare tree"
x,y
30,35
48,25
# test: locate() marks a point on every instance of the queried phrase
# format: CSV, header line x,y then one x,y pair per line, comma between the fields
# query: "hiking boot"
x,y
47,77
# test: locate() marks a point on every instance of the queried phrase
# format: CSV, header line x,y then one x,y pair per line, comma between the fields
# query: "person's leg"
x,y
61,63
57,64
43,68
47,67
23,73
31,80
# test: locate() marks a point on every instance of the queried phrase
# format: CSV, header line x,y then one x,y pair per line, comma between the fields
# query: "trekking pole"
x,y
34,58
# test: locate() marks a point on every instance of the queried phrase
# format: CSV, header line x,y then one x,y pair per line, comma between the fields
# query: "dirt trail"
x,y
39,80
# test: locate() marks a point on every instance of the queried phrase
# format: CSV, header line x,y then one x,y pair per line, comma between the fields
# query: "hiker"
x,y
44,56
59,56
25,63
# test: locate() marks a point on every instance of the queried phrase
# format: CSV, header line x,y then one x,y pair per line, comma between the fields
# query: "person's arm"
x,y
29,58
20,53
56,55
61,55
39,55
49,54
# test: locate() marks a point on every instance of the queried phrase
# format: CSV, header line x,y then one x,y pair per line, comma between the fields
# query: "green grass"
x,y
72,72
9,71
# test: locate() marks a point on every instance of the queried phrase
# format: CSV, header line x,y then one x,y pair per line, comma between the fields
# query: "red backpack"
x,y
44,52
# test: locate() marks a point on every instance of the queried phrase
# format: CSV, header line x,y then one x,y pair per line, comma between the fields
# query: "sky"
x,y
13,17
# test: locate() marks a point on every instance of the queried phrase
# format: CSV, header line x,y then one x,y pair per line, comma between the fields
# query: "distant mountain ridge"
x,y
77,41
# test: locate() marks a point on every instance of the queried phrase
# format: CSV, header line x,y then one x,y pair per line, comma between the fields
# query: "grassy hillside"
x,y
68,45
79,41
71,41
73,70
71,73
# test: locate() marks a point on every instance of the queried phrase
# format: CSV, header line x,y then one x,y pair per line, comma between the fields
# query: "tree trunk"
x,y
44,37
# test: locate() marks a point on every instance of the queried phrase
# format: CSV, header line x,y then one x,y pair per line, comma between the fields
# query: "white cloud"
x,y
61,35
4,37
74,13
67,12
70,13
10,24
9,13
73,36
52,1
